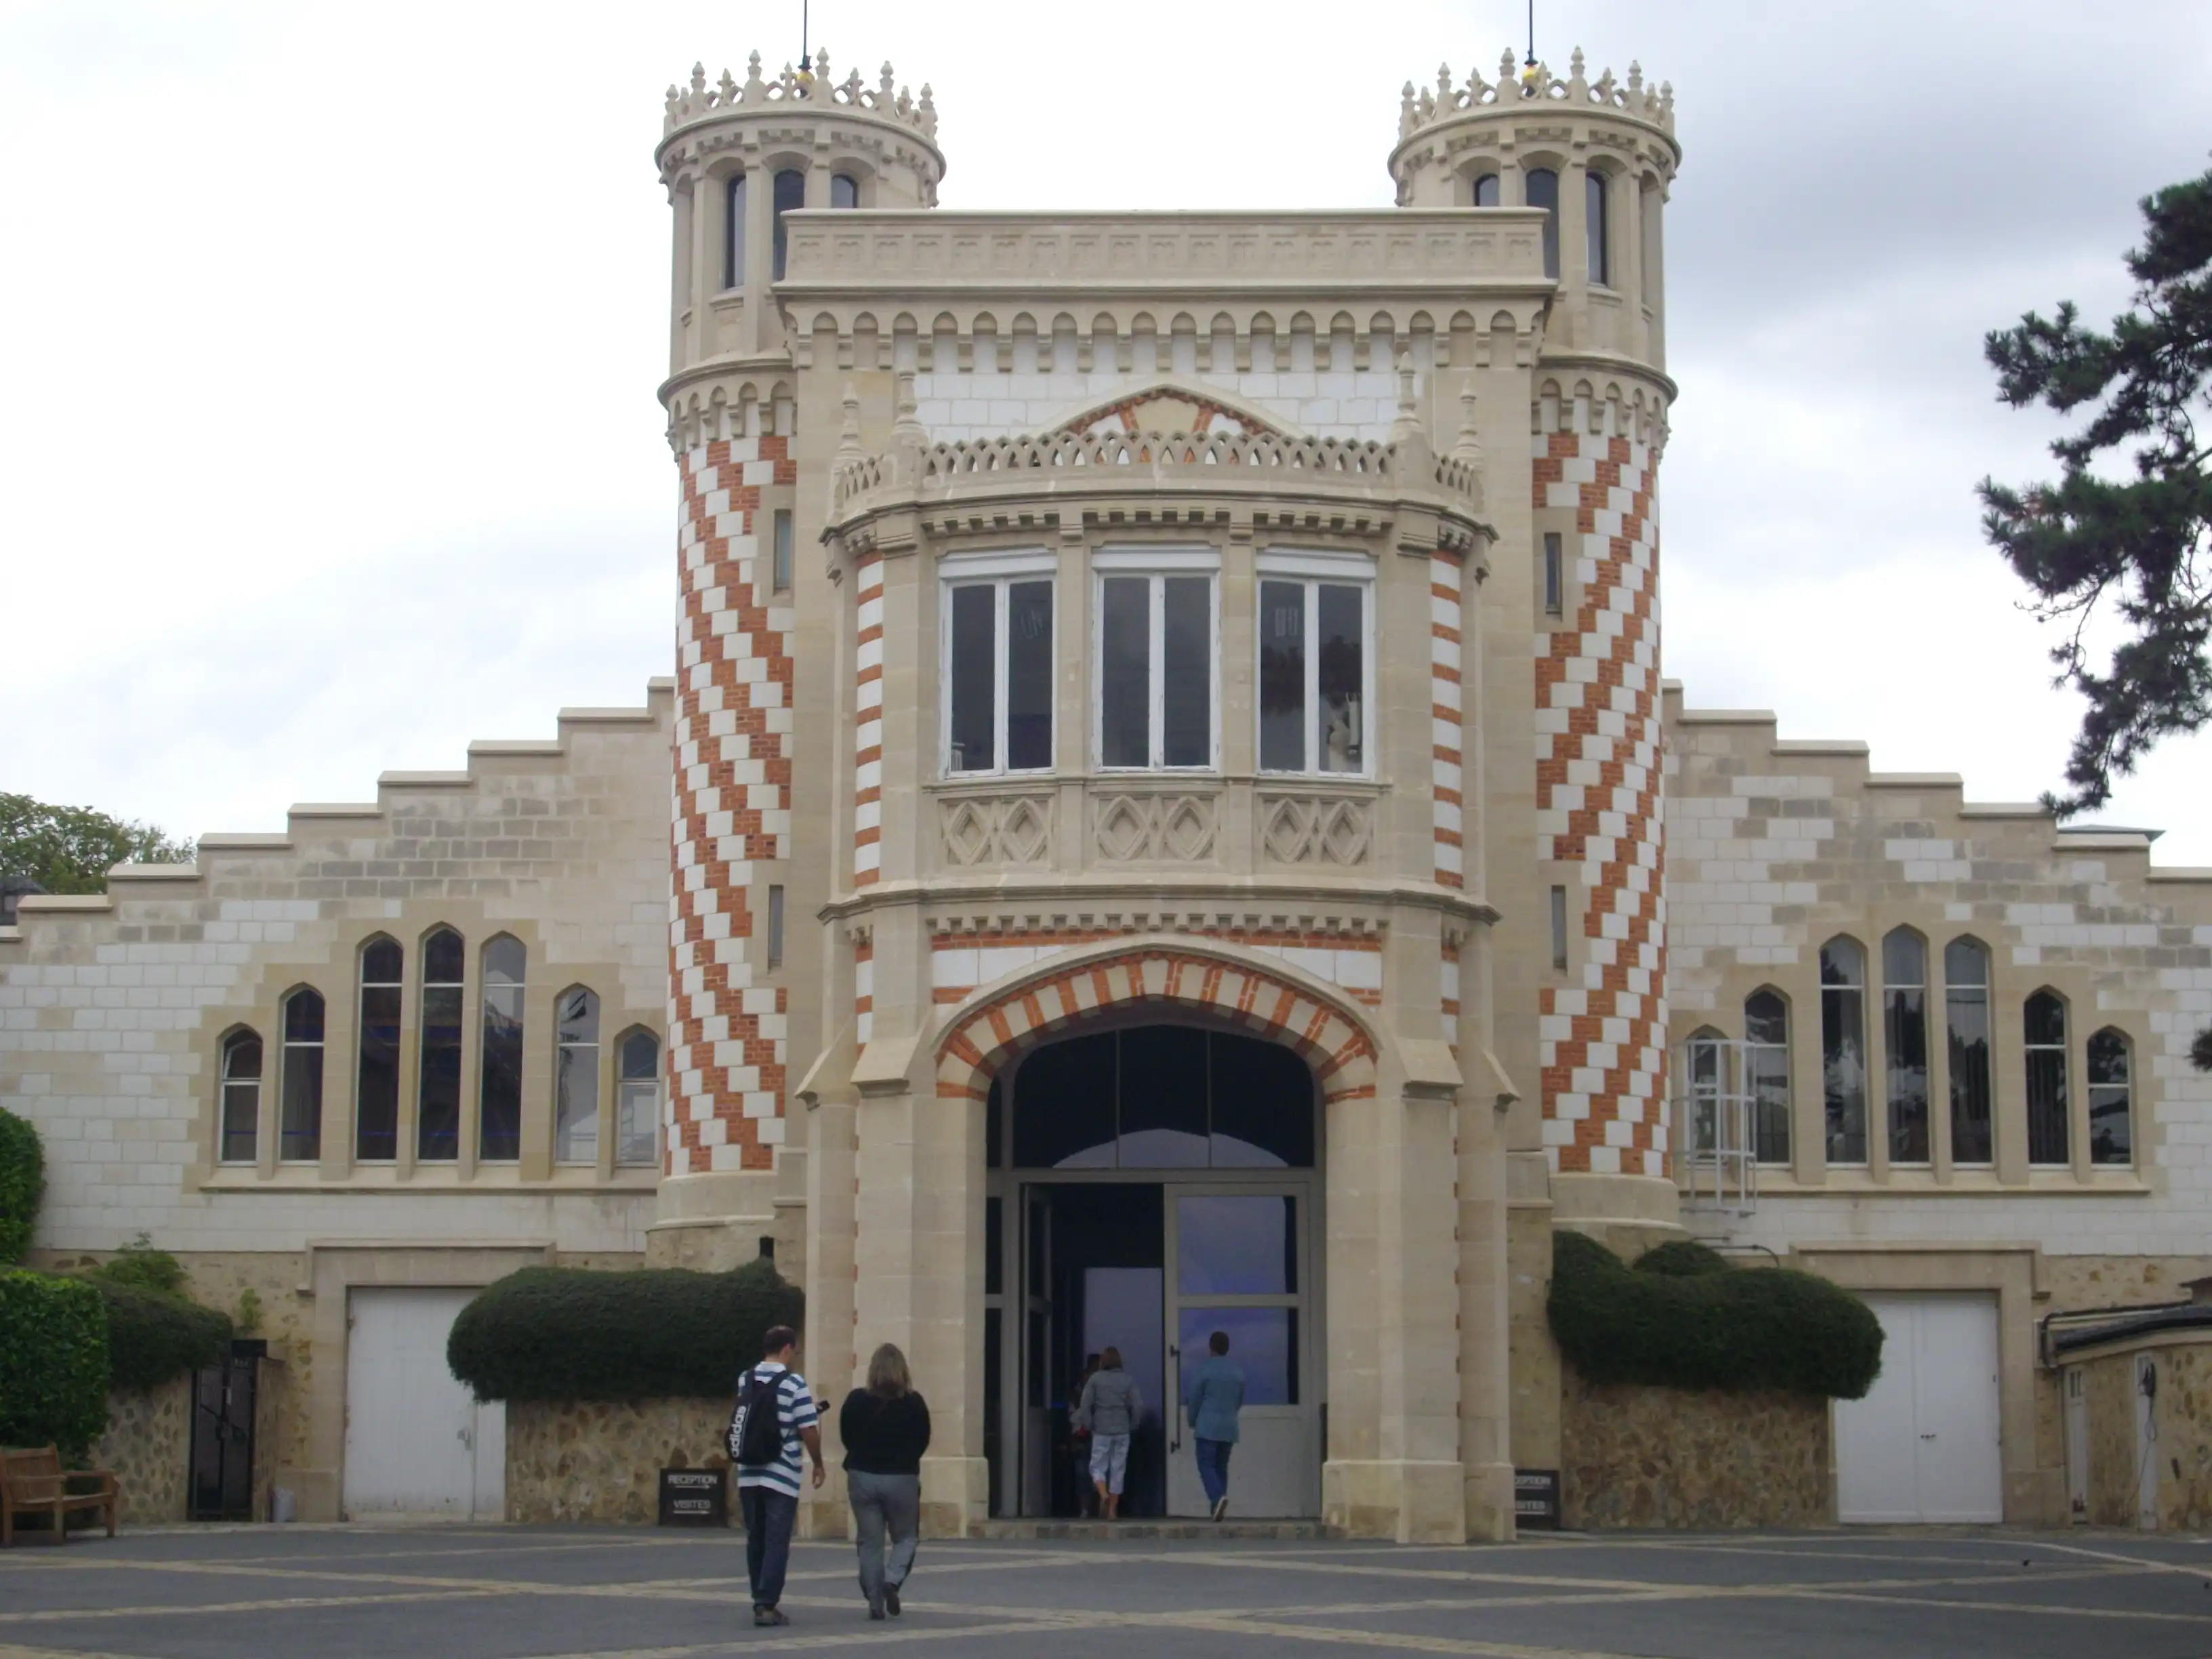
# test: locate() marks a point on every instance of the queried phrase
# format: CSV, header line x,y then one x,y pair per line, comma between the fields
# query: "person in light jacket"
x,y
1211,1399
1110,1408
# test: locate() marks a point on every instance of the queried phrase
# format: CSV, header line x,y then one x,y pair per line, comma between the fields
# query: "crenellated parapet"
x,y
807,86
1530,91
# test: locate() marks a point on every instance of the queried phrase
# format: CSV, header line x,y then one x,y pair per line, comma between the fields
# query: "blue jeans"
x,y
769,1518
1214,1467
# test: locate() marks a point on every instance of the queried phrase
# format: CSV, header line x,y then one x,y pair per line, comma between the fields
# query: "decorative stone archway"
x,y
1275,1002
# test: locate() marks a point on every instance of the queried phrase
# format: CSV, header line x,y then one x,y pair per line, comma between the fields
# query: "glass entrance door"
x,y
1239,1265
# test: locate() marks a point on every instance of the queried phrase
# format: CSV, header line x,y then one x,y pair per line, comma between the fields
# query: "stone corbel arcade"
x,y
1408,1240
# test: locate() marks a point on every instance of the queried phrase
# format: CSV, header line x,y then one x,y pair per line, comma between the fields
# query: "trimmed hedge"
x,y
152,1335
22,1182
53,1363
572,1334
1735,1328
1682,1258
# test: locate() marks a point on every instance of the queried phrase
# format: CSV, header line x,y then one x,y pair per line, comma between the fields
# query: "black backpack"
x,y
757,1425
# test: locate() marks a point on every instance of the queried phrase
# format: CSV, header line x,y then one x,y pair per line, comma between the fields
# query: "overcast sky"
x,y
328,336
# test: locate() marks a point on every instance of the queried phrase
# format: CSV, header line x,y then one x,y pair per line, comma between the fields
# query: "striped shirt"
x,y
795,1407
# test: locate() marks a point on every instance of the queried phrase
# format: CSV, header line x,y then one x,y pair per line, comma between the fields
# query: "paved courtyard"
x,y
506,1593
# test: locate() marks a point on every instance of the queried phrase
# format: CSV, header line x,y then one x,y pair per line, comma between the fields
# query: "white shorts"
x,y
1109,1460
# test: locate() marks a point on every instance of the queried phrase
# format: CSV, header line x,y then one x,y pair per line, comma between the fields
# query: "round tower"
x,y
1584,944
736,158
1599,157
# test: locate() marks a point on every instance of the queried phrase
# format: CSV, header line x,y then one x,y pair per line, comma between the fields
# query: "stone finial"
x,y
907,427
822,64
1405,116
698,78
885,88
755,86
1506,71
1408,424
1468,446
848,435
1575,80
928,109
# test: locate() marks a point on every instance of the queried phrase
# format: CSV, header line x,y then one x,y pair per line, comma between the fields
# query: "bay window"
x,y
1156,658
1314,663
998,661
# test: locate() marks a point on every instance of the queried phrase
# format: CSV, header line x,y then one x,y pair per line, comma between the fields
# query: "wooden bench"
x,y
33,1482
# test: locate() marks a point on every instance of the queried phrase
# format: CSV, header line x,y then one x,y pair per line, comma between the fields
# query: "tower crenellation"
x,y
809,85
1514,88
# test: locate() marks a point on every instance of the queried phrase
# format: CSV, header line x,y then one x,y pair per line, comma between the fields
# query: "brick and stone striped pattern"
x,y
1603,1035
959,962
1342,1057
732,812
863,990
868,704
1448,740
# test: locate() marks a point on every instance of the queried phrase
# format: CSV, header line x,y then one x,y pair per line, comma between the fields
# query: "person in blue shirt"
x,y
1211,1398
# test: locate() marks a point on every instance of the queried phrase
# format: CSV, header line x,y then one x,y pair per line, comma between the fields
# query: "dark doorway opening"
x,y
1108,1271
223,1400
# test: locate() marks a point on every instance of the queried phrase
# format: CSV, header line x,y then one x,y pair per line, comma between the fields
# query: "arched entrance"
x,y
1150,1182
1153,1151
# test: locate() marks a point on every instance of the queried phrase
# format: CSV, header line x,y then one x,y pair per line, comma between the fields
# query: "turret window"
x,y
1314,660
1155,653
1485,191
1599,235
1766,1067
1904,1042
1541,190
998,655
790,192
844,190
733,234
637,1114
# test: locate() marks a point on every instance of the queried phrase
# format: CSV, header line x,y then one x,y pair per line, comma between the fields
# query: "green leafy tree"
x,y
2136,531
70,849
2128,525
22,1182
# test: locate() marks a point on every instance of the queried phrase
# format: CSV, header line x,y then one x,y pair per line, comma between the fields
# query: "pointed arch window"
x,y
2044,1029
300,1120
241,1097
438,1095
499,1091
376,1071
1767,1058
576,1077
1967,1019
1904,1042
1540,189
637,1111
733,233
2111,1103
1842,1049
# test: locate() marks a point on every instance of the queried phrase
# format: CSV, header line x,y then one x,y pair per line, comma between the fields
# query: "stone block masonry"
x,y
726,1055
1601,1043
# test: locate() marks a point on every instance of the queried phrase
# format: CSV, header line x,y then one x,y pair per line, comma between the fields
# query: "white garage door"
x,y
1923,1445
418,1446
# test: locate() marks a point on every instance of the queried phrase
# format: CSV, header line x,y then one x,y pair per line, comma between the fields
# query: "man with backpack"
x,y
775,1417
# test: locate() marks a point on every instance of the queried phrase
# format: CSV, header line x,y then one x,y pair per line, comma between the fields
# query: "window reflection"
x,y
1162,1096
1842,1049
1234,1244
1966,1018
1262,1341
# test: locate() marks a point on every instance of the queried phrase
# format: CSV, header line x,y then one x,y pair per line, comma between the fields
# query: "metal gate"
x,y
222,1434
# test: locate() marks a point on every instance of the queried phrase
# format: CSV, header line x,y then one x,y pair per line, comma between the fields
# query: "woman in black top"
x,y
885,1429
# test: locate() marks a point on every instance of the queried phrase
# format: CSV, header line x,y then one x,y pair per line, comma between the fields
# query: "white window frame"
x,y
1310,569
1157,563
997,571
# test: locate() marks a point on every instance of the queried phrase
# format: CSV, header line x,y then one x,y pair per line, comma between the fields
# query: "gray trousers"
x,y
884,1504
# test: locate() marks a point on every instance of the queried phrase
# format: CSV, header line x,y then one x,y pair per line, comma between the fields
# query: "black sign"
x,y
694,1497
1536,1497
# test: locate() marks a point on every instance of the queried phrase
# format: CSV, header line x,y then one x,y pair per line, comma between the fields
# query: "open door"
x,y
1238,1264
1036,1354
